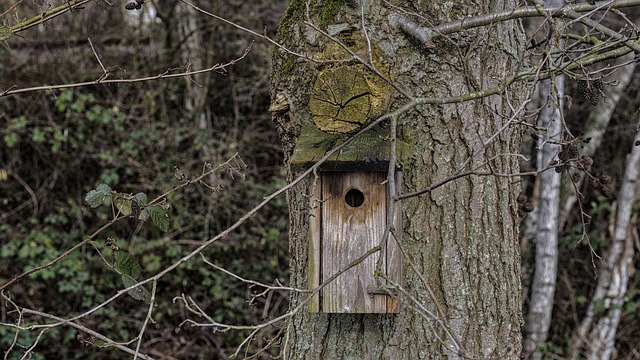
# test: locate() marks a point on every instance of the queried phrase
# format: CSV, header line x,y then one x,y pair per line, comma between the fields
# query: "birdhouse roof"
x,y
368,151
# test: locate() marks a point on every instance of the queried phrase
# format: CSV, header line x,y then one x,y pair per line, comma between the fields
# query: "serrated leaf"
x,y
158,217
130,270
127,264
122,203
140,293
96,197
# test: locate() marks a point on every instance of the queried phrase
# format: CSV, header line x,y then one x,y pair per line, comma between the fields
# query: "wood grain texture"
x,y
343,235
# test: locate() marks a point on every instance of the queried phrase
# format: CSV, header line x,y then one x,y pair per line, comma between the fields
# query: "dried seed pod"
x,y
605,190
594,182
575,178
134,5
561,168
571,151
527,206
521,198
587,90
563,156
605,179
597,84
586,160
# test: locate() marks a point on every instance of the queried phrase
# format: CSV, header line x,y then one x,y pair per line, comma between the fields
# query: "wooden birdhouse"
x,y
347,223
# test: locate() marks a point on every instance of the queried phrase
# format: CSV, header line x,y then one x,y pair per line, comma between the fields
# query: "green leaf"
x,y
19,122
37,135
10,139
158,217
142,198
130,270
140,293
122,203
96,197
5,32
138,204
127,264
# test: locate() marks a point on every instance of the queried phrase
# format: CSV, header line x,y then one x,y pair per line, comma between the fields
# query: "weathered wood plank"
x,y
348,232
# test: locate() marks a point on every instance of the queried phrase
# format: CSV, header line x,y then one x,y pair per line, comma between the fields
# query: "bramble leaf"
x,y
140,293
5,32
96,197
122,203
127,264
142,198
130,270
158,217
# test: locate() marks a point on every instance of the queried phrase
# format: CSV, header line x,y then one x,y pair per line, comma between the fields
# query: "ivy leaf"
x,y
96,197
123,203
158,217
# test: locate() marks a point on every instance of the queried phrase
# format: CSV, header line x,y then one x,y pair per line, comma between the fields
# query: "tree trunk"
x,y
546,224
194,55
461,238
596,333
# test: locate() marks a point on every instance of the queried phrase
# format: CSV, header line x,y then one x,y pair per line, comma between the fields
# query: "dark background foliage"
x,y
58,145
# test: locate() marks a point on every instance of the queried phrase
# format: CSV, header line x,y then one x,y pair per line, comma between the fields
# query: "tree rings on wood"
x,y
341,100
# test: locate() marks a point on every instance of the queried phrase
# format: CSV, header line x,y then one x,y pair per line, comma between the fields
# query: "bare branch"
x,y
97,335
217,67
426,35
47,15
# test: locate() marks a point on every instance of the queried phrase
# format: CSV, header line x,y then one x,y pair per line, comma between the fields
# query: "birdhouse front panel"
x,y
349,223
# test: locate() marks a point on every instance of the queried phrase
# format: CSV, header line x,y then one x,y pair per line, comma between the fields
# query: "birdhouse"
x,y
347,245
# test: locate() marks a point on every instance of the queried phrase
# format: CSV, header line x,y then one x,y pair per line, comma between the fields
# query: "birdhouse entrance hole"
x,y
354,198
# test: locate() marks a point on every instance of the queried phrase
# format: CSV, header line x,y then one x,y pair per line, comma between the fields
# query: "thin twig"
x,y
105,72
165,75
152,302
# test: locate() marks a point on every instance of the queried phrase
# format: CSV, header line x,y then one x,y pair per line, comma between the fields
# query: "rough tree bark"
x,y
462,237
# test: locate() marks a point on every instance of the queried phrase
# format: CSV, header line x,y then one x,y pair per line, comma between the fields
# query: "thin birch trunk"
x,y
595,337
546,233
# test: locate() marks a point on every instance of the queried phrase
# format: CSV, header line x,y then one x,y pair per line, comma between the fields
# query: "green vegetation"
x,y
72,161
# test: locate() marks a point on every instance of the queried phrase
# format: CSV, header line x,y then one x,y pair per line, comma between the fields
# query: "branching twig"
x,y
217,67
152,302
426,35
251,282
97,335
47,15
